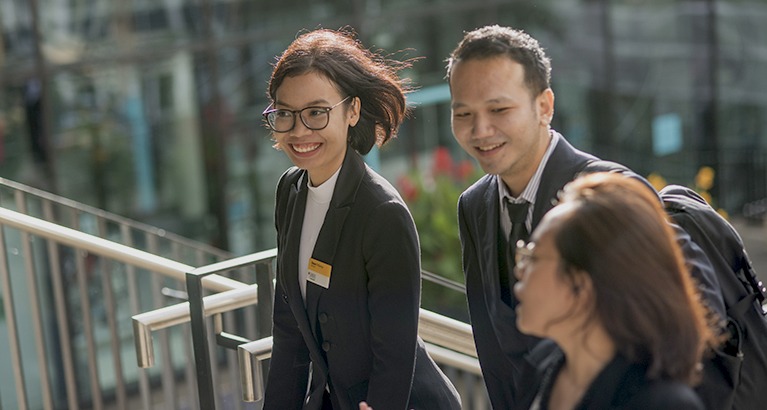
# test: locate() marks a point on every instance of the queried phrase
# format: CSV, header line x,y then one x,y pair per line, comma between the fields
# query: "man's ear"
x,y
545,106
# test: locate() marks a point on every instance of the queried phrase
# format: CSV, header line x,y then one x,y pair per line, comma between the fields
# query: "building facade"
x,y
151,109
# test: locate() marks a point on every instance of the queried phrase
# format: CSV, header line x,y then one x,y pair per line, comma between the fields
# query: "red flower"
x,y
443,162
464,170
407,188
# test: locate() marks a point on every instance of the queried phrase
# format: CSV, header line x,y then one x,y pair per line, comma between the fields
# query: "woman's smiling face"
x,y
320,152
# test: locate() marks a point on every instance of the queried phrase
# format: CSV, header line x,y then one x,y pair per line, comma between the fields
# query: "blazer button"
x,y
326,346
323,317
285,298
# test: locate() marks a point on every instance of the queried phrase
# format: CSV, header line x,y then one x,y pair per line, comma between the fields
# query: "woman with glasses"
x,y
603,277
347,294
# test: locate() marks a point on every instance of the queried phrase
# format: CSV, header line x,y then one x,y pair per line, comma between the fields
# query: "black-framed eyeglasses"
x,y
313,118
524,254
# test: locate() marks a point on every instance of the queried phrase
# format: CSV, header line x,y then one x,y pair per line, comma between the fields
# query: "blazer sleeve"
x,y
498,373
392,262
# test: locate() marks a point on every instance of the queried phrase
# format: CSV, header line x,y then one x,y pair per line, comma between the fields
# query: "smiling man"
x,y
502,106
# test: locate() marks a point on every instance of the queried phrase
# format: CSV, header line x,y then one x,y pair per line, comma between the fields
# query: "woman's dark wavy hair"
x,y
645,297
356,72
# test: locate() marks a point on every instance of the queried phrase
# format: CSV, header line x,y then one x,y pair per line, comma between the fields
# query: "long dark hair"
x,y
645,297
357,72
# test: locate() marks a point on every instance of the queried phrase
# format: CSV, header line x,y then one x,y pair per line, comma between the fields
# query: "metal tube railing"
x,y
85,308
13,334
145,323
48,198
30,228
250,356
197,314
34,305
109,249
447,332
451,334
61,316
449,342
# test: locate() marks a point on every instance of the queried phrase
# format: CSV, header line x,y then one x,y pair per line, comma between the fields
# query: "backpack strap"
x,y
679,199
760,291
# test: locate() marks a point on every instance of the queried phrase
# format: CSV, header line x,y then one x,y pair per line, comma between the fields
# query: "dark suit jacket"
x,y
500,346
620,385
360,334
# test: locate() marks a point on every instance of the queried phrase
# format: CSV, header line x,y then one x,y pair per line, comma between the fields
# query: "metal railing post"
x,y
205,391
197,313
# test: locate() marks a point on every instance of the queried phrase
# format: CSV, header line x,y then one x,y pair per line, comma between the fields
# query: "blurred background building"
x,y
151,109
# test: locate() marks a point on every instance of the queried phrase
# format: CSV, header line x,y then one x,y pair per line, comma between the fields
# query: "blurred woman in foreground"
x,y
603,277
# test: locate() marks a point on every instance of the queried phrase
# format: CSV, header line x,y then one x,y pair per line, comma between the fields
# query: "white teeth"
x,y
489,147
303,148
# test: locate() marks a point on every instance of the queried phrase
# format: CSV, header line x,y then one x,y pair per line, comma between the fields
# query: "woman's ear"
x,y
582,284
354,111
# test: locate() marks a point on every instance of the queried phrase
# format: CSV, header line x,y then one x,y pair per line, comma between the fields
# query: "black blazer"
x,y
620,385
360,334
501,347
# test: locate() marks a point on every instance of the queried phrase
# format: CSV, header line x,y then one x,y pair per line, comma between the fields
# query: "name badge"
x,y
319,273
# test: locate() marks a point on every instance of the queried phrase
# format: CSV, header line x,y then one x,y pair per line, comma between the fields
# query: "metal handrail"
x,y
458,349
250,357
108,216
447,332
449,341
109,249
145,323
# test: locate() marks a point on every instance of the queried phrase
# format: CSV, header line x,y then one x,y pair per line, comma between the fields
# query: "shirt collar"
x,y
528,194
324,192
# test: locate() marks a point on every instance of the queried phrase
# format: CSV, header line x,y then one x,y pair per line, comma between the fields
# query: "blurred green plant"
x,y
433,198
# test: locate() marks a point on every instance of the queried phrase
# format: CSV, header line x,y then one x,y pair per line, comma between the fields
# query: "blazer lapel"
x,y
490,217
349,178
563,165
297,207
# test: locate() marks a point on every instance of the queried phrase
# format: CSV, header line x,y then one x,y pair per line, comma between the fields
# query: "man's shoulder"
x,y
478,191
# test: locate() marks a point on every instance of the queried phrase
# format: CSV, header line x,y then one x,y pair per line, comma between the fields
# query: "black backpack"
x,y
736,378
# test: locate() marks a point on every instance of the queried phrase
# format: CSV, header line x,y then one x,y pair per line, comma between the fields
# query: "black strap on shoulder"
x,y
680,199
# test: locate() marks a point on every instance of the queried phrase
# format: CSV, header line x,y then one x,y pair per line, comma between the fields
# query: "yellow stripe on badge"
x,y
319,273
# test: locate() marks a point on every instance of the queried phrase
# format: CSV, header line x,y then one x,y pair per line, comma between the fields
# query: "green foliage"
x,y
433,198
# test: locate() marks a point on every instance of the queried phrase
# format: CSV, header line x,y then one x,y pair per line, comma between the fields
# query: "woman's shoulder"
x,y
625,386
665,395
378,189
289,177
